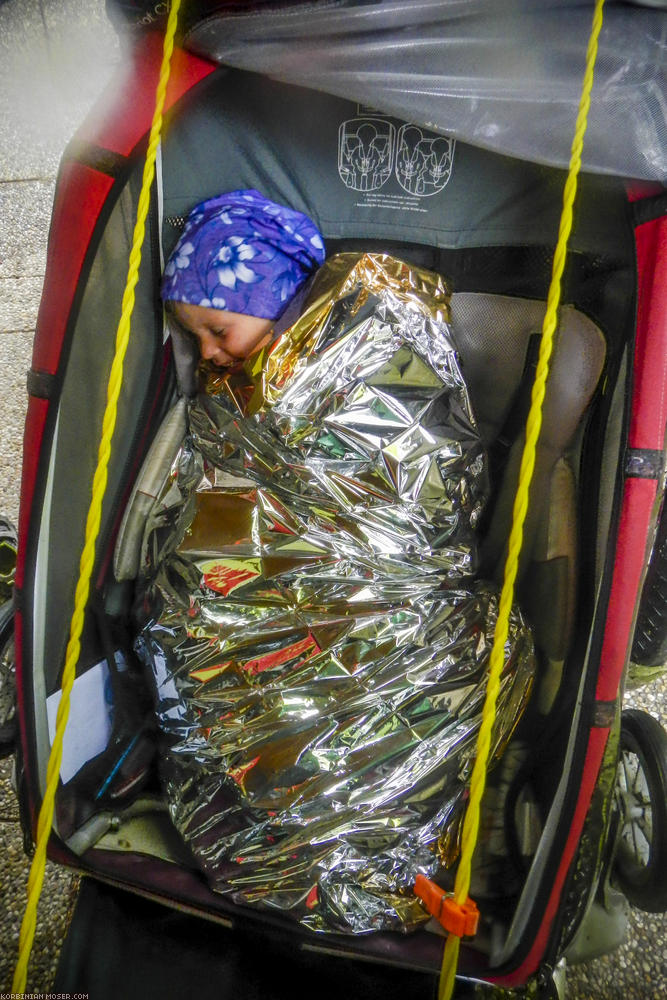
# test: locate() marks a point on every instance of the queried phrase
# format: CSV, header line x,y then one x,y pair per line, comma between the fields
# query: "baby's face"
x,y
224,338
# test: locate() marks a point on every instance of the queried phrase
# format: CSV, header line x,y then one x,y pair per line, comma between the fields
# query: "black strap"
x,y
644,463
513,426
649,209
40,384
105,161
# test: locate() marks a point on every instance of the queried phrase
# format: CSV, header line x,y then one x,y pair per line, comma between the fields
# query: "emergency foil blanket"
x,y
318,644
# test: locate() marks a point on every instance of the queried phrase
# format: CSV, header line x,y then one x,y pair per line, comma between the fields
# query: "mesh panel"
x,y
506,77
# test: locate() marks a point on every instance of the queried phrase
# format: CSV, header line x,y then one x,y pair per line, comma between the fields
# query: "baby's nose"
x,y
208,347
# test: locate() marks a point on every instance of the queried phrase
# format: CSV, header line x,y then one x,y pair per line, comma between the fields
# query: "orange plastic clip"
x,y
459,919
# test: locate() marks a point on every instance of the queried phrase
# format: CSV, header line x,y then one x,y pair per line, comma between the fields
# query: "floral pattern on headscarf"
x,y
243,253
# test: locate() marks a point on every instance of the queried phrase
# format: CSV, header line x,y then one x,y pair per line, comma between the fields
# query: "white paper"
x,y
89,725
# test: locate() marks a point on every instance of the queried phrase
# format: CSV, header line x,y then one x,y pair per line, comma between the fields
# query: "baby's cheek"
x,y
251,341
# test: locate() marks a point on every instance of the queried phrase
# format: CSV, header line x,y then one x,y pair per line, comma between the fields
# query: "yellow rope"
x,y
45,821
533,426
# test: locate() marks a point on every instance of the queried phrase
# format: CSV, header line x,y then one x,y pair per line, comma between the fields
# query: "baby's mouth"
x,y
231,363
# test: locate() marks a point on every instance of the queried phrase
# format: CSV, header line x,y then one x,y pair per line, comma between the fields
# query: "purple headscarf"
x,y
243,253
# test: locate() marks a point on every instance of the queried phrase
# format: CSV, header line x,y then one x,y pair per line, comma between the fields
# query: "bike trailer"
x,y
327,107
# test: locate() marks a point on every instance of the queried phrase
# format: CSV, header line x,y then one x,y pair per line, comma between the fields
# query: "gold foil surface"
x,y
317,638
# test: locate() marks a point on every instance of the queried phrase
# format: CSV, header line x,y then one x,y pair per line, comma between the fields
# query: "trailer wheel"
x,y
649,647
7,681
640,864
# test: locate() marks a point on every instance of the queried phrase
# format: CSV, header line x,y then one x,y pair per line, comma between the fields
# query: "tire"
x,y
640,862
8,724
8,542
649,646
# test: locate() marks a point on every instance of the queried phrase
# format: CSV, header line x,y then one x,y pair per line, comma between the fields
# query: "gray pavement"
x,y
55,58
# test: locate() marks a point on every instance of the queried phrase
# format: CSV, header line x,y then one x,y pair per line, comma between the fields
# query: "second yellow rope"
x,y
533,427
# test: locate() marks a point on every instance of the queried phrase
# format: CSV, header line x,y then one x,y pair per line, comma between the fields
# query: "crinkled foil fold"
x,y
318,642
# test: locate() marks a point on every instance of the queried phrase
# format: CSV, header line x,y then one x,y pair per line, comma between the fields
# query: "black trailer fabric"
x,y
120,945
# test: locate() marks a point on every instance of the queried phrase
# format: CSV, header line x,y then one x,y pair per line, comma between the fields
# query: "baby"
x,y
238,265
308,595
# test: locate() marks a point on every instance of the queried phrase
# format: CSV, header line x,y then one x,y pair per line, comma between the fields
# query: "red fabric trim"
x,y
80,195
649,397
596,746
120,125
647,430
638,499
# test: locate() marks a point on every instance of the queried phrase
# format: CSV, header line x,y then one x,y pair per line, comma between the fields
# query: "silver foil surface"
x,y
318,642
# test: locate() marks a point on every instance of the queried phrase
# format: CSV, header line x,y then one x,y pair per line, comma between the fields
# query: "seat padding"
x,y
493,333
